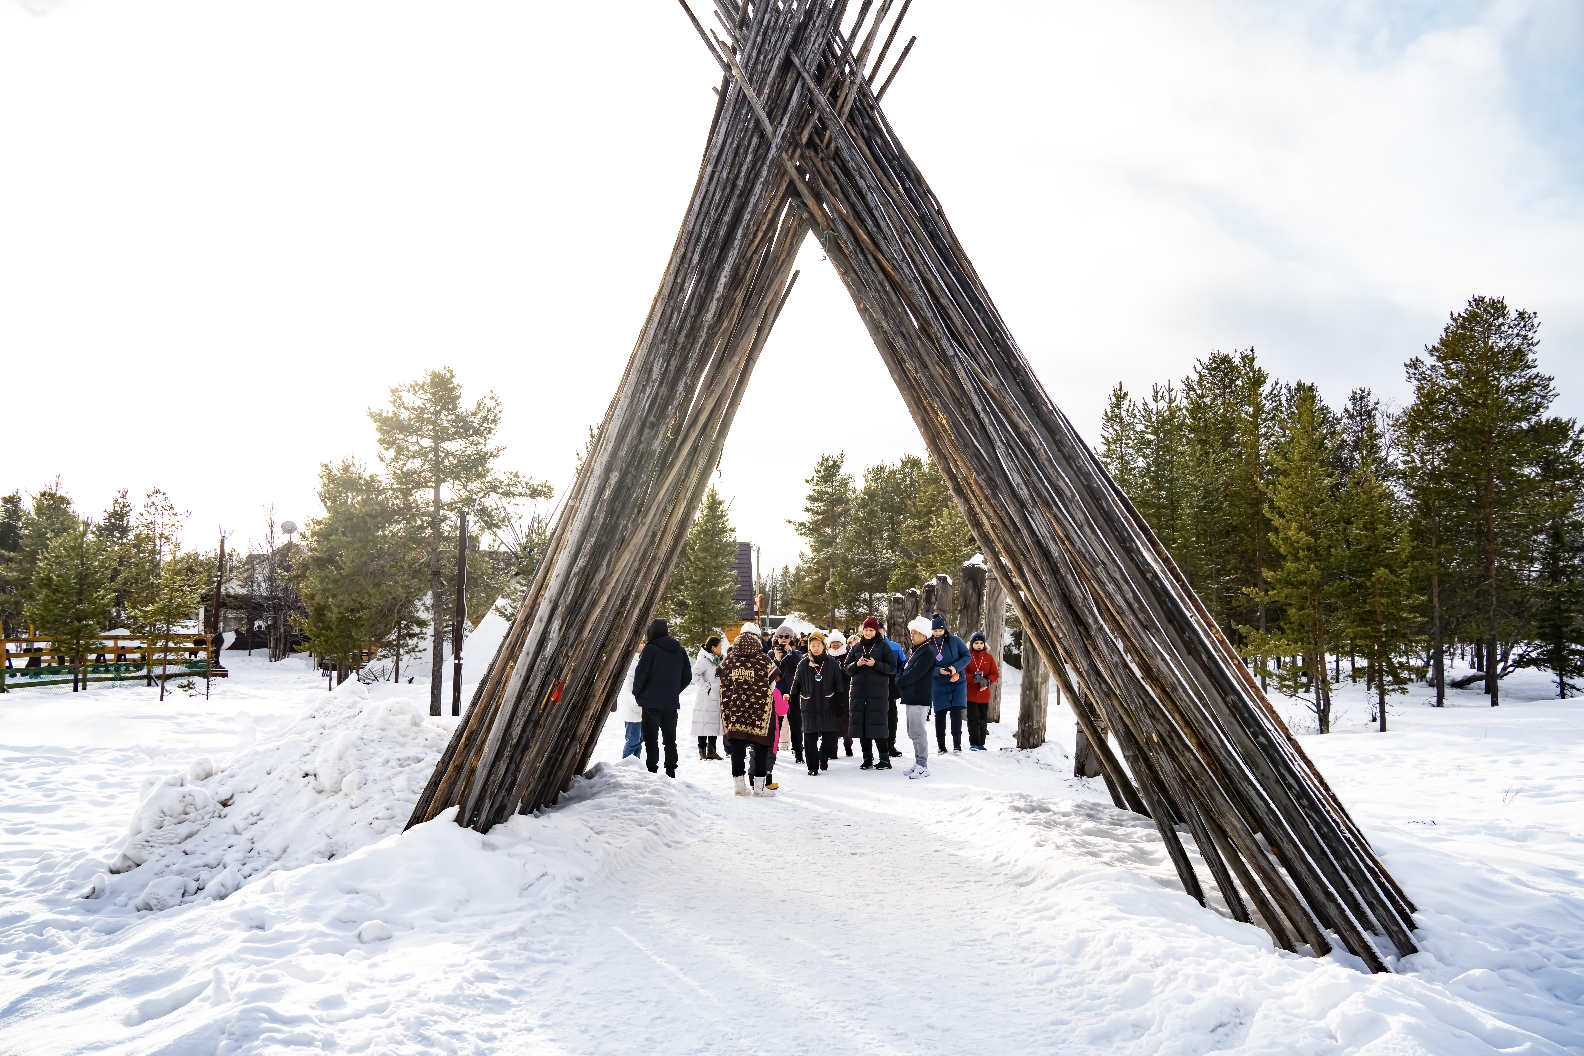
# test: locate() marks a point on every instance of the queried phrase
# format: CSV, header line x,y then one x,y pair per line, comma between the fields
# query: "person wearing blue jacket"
x,y
896,694
663,673
914,682
949,689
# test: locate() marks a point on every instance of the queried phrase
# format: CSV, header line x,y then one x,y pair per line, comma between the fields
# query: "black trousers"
x,y
738,750
978,723
812,753
891,721
795,720
940,728
658,721
870,744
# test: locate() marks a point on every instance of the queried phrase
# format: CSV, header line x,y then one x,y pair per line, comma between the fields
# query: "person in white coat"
x,y
630,713
706,697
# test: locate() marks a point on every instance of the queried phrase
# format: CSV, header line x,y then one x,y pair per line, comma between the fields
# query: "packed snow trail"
x,y
997,906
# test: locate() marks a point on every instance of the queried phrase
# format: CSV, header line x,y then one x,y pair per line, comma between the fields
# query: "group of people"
x,y
827,689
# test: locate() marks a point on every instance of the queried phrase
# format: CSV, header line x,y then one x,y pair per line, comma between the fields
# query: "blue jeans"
x,y
634,742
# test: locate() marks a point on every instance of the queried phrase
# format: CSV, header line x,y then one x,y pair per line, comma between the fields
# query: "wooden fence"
x,y
38,662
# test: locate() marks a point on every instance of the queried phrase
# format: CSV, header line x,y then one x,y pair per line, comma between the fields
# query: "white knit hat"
x,y
836,643
749,628
919,624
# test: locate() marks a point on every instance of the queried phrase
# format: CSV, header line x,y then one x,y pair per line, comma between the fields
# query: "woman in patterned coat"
x,y
747,710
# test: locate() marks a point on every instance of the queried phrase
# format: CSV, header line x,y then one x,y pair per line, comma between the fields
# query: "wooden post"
x,y
995,632
943,597
461,614
970,605
927,596
1034,698
897,618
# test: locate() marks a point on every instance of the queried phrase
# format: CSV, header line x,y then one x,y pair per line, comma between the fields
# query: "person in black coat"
x,y
816,689
787,656
871,671
663,673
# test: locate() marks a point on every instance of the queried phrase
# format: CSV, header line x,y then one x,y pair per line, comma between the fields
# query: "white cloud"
x,y
229,228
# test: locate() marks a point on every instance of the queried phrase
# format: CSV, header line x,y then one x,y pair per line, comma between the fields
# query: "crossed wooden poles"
x,y
799,145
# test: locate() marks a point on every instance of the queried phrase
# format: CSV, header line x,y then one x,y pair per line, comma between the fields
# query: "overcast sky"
x,y
226,229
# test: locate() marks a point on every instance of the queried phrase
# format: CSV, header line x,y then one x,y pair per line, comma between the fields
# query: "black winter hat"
x,y
658,629
977,636
939,623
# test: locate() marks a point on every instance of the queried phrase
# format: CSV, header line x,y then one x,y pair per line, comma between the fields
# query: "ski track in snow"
x,y
999,906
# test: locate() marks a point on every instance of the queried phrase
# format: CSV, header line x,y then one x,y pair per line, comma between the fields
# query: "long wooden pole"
x,y
460,616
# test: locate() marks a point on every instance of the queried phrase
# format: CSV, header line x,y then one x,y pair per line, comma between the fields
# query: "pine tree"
x,y
115,530
701,588
440,459
71,595
1480,391
1305,512
827,509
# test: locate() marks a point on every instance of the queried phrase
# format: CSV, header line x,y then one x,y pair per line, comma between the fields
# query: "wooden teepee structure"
x,y
800,145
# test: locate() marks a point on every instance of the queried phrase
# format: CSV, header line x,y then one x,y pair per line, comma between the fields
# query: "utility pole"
x,y
461,614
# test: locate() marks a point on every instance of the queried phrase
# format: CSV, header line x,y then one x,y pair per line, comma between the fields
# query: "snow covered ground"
x,y
1000,906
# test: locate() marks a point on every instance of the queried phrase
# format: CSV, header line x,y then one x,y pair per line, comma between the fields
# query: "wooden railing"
x,y
118,658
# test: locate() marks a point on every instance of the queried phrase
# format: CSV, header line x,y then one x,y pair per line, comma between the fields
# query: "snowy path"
x,y
999,906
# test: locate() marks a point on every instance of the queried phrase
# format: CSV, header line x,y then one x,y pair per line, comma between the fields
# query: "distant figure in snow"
x,y
982,673
706,697
628,711
949,689
747,710
871,672
815,686
663,673
914,681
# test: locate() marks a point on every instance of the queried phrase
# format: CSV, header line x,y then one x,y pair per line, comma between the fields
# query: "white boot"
x,y
759,787
742,784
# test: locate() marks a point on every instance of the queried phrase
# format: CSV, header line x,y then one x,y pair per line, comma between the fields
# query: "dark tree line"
x,y
1395,540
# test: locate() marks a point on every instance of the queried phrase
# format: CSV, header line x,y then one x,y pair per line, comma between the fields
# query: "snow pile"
x,y
344,773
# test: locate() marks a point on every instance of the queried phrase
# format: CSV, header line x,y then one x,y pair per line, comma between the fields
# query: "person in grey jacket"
x,y
663,673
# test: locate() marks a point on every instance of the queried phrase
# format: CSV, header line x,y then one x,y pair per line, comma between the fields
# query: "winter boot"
x,y
884,762
770,782
742,784
701,747
713,754
762,788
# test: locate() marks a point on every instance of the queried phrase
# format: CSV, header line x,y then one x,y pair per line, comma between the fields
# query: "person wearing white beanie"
x,y
915,681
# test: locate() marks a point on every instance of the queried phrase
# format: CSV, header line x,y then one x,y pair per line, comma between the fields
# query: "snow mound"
x,y
344,773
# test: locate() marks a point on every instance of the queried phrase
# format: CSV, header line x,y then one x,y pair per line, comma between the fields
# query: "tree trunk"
x,y
1493,669
461,614
1033,699
927,598
436,594
1086,761
995,632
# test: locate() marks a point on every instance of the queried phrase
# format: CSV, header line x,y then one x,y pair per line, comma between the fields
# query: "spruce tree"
x,y
47,516
827,509
1380,611
172,600
71,595
441,461
1557,586
701,587
362,574
1306,517
12,599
